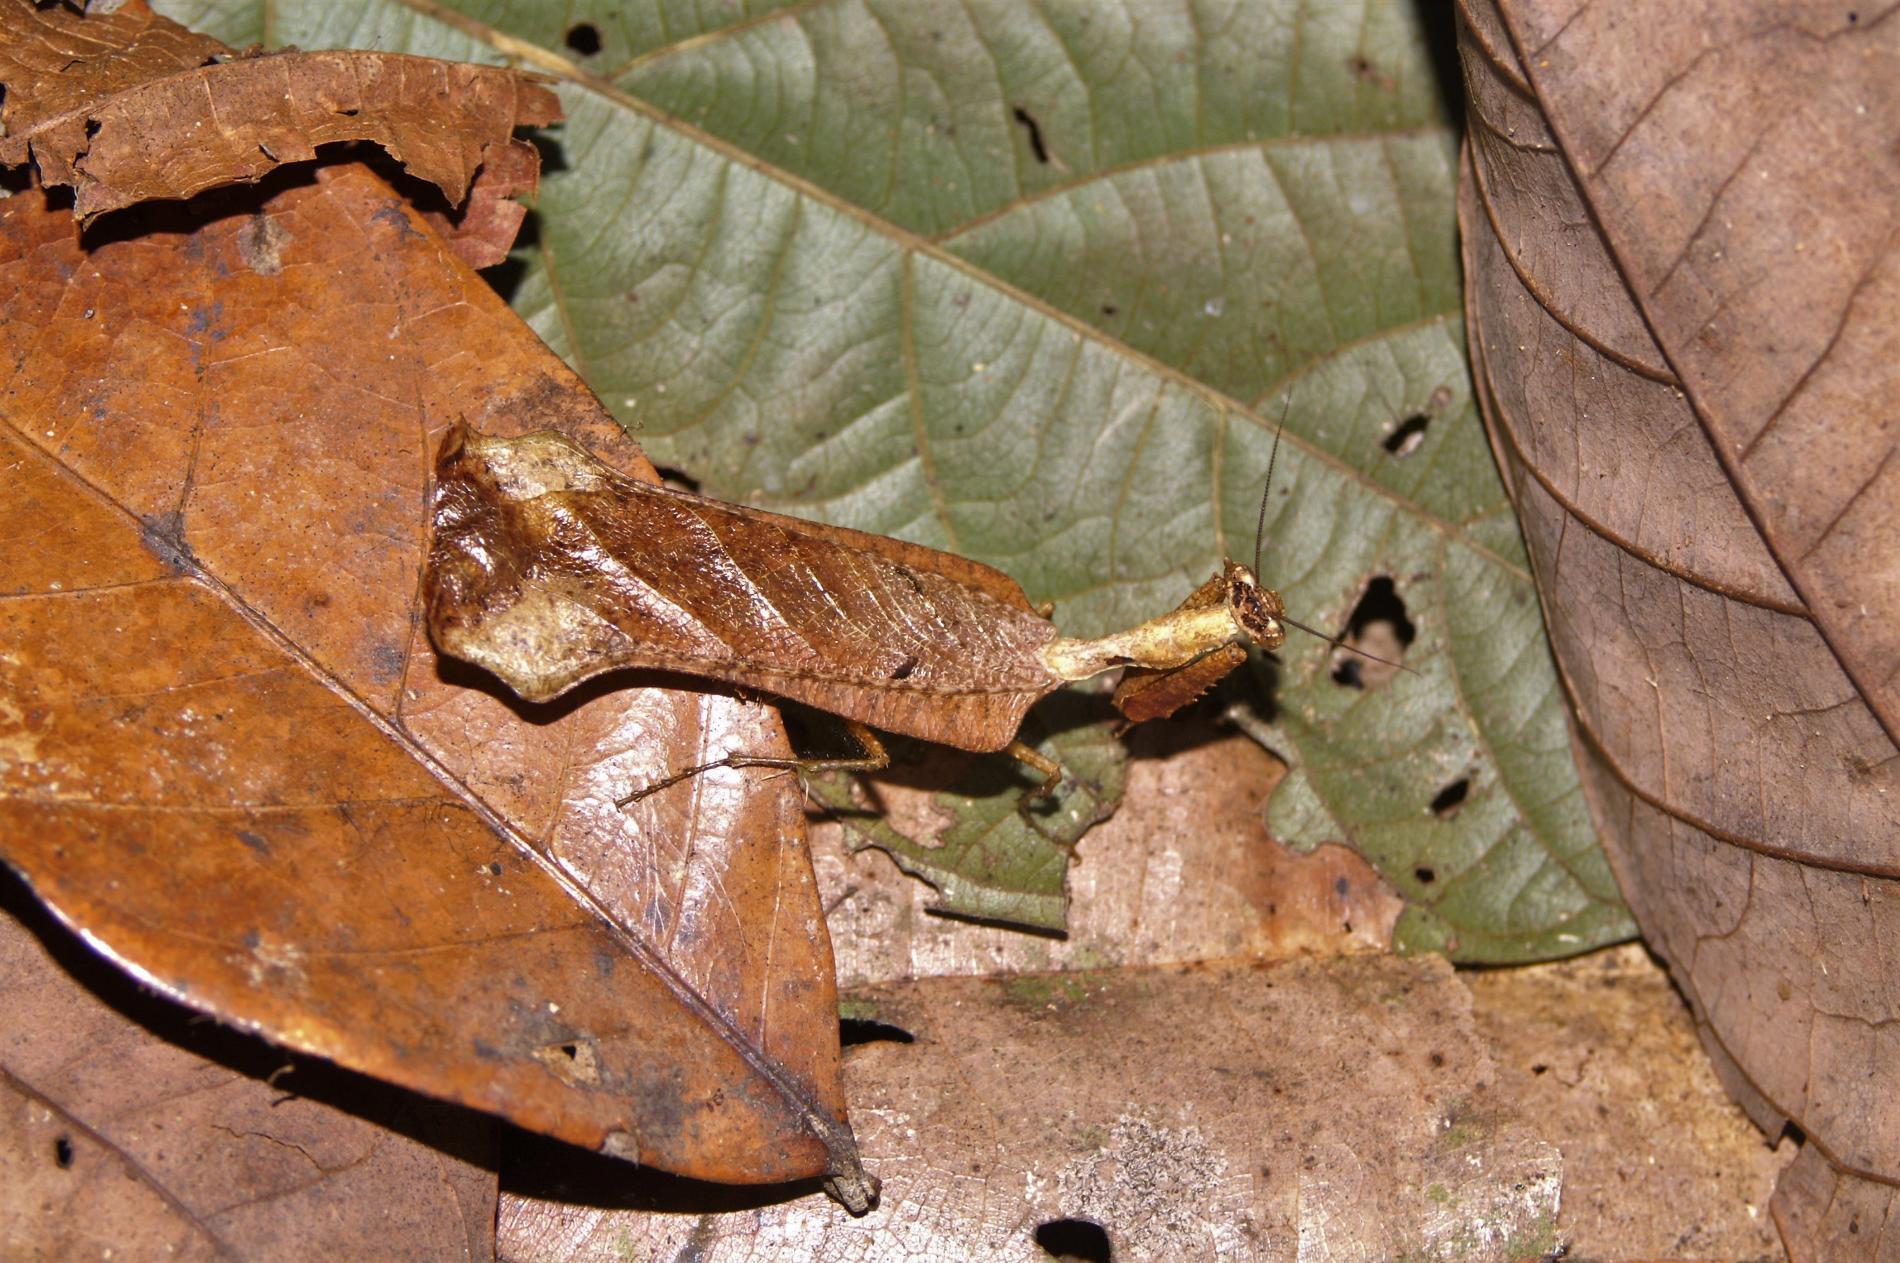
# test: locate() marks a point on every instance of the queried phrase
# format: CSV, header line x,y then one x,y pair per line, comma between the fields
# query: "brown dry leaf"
x,y
127,107
1197,1112
129,1128
1694,405
227,754
1596,1056
1658,1163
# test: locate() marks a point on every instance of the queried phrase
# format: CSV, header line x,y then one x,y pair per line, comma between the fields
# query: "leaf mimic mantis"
x,y
548,568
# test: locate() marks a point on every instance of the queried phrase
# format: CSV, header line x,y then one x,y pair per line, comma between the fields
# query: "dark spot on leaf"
x,y
1346,674
903,669
1342,887
1034,129
864,1030
1539,1068
1425,874
486,1051
255,841
261,242
1407,435
163,537
583,38
494,868
249,940
1438,1059
386,663
1445,802
1110,309
1080,1240
63,1152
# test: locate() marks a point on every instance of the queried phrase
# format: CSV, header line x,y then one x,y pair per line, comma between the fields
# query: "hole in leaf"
x,y
1445,802
864,1030
584,38
571,1051
1034,128
63,1152
1381,603
678,479
1075,1241
1425,874
1407,435
1377,625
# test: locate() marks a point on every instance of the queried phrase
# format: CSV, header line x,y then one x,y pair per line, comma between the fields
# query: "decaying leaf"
x,y
1693,399
1191,1113
227,755
128,1128
127,106
1595,1057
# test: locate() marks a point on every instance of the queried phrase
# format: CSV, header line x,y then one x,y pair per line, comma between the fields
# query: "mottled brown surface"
x,y
547,569
128,107
1693,402
1658,1163
226,750
130,1129
1835,1214
1221,1111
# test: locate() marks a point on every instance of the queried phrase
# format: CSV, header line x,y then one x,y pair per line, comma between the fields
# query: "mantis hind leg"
x,y
874,758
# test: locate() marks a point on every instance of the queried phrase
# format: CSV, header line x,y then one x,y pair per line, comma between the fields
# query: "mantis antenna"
x,y
1259,537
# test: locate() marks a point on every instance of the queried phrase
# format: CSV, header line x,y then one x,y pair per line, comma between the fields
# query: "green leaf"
x,y
1005,855
1036,283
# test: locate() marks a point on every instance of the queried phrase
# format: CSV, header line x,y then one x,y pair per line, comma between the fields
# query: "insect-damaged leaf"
x,y
126,106
891,312
228,756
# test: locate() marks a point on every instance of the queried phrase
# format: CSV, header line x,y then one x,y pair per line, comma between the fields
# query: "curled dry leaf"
x,y
1694,405
127,106
128,1128
227,755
